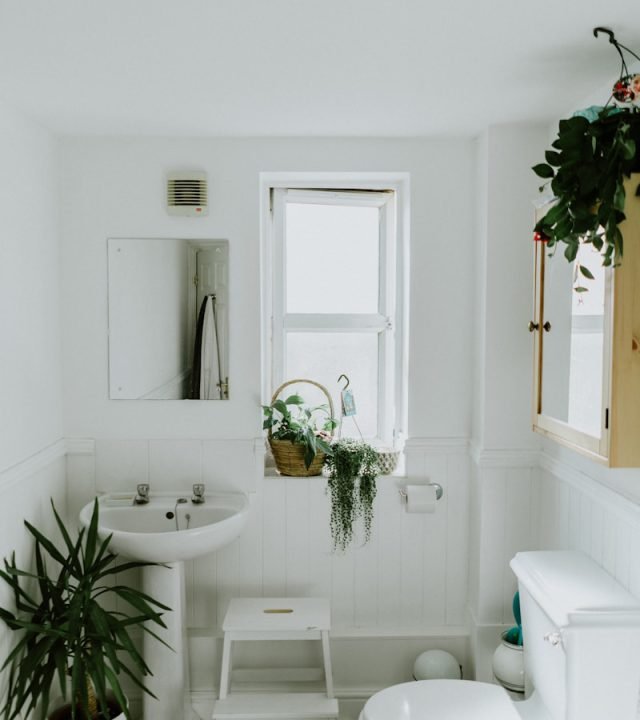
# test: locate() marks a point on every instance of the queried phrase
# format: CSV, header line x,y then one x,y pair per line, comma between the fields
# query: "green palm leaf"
x,y
66,635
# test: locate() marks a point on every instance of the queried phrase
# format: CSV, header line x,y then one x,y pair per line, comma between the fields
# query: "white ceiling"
x,y
304,67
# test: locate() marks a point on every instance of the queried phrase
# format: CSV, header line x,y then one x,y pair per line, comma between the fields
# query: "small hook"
x,y
346,378
610,33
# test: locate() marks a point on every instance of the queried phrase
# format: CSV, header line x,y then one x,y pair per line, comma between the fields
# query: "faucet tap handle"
x,y
198,493
142,496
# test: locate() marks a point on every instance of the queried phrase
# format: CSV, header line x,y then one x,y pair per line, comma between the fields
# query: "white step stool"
x,y
275,619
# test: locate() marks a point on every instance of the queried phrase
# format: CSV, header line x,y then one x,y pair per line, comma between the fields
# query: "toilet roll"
x,y
421,498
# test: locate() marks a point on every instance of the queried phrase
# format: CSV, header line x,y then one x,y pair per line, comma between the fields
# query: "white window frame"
x,y
389,192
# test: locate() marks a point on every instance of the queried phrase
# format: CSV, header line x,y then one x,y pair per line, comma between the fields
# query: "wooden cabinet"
x,y
586,388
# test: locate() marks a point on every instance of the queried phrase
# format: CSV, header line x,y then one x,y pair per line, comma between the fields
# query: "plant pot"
x,y
508,665
63,712
289,459
387,460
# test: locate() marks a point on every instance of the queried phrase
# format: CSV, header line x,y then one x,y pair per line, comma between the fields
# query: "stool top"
x,y
277,614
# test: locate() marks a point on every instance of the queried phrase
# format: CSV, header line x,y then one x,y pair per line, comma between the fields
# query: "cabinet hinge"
x,y
195,280
606,419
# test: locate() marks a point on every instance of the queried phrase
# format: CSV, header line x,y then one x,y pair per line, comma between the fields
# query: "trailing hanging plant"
x,y
593,154
353,469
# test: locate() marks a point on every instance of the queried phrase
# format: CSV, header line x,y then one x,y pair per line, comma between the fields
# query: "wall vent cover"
x,y
187,194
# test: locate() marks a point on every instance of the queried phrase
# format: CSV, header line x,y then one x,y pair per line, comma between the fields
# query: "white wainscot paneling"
x,y
507,522
409,581
579,513
410,577
27,491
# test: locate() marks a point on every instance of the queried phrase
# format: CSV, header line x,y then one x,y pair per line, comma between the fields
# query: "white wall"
x,y
30,364
412,579
115,188
32,465
503,446
511,188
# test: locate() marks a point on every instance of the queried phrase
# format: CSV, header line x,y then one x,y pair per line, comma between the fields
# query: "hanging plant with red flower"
x,y
594,152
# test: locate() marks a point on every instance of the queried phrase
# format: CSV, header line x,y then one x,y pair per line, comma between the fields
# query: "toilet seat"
x,y
441,700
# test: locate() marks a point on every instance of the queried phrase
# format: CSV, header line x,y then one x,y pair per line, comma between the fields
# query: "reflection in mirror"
x,y
168,319
573,346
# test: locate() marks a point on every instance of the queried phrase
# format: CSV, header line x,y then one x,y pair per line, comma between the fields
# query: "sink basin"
x,y
165,531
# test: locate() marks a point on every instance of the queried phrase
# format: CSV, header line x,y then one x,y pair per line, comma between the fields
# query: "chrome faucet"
x,y
198,494
142,496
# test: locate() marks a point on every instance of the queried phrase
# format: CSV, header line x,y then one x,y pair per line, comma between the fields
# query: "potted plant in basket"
x,y
353,468
66,637
593,154
299,435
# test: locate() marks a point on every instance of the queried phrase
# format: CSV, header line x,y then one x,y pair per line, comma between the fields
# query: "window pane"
x,y
332,260
324,356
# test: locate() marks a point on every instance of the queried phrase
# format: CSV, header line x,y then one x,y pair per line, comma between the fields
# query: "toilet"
x,y
581,633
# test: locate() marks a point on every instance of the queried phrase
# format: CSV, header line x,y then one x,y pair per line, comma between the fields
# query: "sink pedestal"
x,y
169,530
170,668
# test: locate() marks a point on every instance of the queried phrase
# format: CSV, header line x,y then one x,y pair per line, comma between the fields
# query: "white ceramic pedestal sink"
x,y
169,530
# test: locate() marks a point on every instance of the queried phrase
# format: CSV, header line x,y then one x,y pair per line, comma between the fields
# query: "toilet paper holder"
x,y
437,486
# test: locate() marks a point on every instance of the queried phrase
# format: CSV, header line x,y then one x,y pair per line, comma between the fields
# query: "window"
x,y
335,299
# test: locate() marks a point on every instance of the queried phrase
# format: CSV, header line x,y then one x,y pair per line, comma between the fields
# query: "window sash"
x,y
382,322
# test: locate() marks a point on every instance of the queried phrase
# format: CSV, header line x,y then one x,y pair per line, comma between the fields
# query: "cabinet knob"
x,y
547,326
533,326
553,638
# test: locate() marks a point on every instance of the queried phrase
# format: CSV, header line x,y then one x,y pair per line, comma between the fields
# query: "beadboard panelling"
x,y
27,489
411,576
579,513
507,509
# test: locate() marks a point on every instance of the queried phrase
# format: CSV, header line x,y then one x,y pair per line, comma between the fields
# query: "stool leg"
x,y
328,675
226,667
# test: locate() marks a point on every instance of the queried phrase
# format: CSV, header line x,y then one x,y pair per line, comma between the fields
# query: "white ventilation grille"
x,y
187,194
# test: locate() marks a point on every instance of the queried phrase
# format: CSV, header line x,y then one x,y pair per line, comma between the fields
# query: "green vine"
x,y
353,469
586,170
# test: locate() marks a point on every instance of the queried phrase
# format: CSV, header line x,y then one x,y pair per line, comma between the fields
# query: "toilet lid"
x,y
441,700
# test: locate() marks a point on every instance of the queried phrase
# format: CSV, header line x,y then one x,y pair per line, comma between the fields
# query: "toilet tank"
x,y
581,633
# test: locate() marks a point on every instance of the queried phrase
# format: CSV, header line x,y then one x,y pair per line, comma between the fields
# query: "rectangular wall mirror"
x,y
168,319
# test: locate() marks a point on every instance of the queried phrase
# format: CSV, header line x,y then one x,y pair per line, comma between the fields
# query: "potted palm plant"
x,y
66,634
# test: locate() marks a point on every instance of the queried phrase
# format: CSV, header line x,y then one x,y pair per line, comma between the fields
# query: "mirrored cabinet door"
x,y
586,341
573,336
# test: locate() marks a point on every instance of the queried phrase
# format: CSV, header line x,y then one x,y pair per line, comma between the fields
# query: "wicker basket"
x,y
289,457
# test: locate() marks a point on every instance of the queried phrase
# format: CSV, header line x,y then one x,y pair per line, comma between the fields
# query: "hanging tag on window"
x,y
348,403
